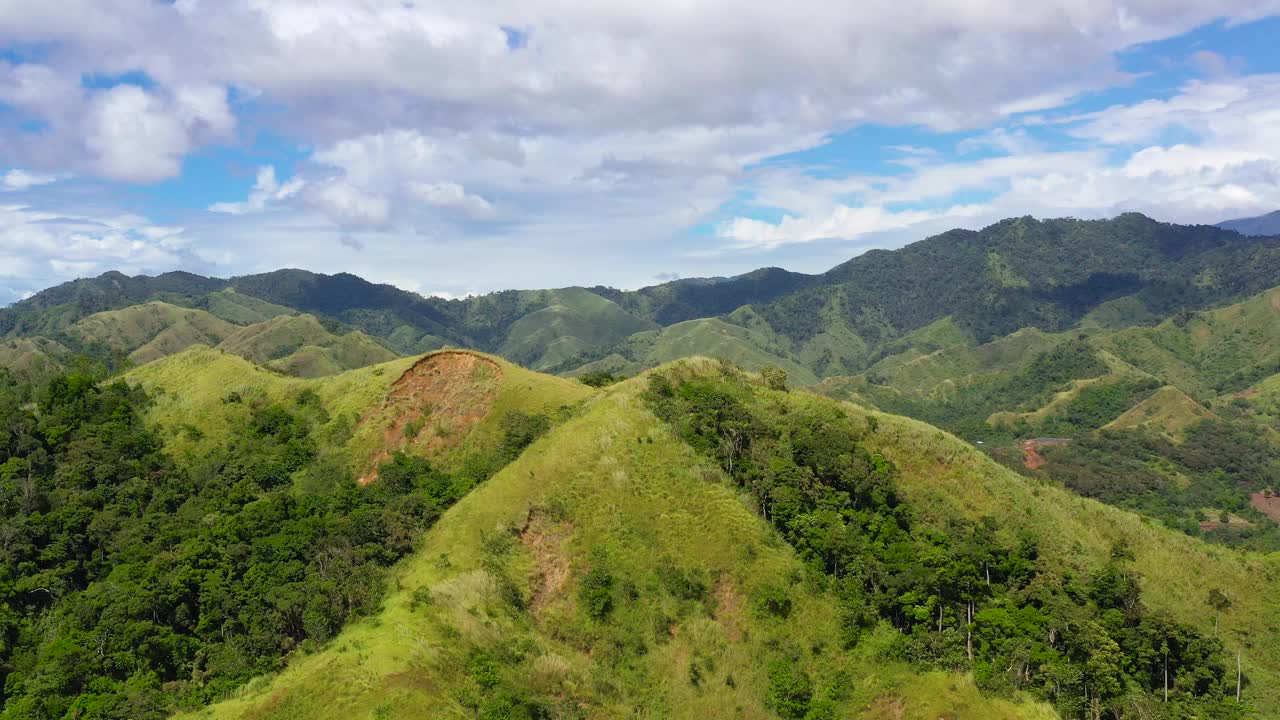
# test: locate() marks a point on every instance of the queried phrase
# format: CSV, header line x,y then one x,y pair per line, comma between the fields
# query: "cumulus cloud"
x,y
139,136
598,125
450,195
18,179
39,248
349,206
266,191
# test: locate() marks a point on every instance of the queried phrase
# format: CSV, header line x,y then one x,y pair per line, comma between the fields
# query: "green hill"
x,y
240,309
301,345
151,330
488,616
750,347
612,568
573,321
32,359
961,286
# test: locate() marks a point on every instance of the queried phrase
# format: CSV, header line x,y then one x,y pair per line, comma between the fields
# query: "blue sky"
x,y
454,148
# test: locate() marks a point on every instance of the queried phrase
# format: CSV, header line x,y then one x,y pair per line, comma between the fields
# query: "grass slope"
x,y
300,345
193,390
1169,411
749,345
1209,353
613,478
151,330
942,472
574,320
241,309
32,359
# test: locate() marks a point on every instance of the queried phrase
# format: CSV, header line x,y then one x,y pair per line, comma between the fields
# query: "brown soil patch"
x,y
545,538
1234,522
728,607
438,400
1246,393
1031,456
1267,503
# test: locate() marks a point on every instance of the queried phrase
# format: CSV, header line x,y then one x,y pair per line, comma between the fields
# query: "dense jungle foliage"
x,y
132,585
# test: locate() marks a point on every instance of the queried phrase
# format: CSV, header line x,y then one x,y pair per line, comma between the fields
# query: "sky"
x,y
452,148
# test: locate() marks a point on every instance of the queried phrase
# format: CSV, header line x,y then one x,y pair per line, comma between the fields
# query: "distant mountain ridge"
x,y
1017,273
1268,224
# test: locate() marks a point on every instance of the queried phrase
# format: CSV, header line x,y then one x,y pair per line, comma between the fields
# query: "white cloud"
x,y
451,195
349,206
17,179
41,247
139,136
266,191
616,126
1233,170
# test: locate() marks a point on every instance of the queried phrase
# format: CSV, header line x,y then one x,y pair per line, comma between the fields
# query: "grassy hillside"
x,y
490,614
32,359
1209,353
203,396
573,321
1168,411
751,346
151,330
301,345
944,473
240,309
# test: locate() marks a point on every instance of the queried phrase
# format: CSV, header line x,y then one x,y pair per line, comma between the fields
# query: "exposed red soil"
x,y
545,539
1235,523
1248,392
443,395
1268,503
1031,456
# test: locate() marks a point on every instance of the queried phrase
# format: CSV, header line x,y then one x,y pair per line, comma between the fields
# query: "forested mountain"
x,y
1026,328
698,542
206,481
1017,273
1268,224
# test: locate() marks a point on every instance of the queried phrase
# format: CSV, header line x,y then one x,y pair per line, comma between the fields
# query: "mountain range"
x,y
1017,273
1268,224
1025,472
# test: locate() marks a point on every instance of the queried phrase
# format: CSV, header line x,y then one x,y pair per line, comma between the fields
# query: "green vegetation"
x,y
608,570
136,585
699,542
957,288
962,599
300,345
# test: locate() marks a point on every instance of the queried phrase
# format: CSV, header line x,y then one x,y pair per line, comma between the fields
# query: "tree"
x,y
774,378
1219,602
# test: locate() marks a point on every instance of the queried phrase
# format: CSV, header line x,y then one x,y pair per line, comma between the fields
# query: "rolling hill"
x,y
1018,273
492,614
663,544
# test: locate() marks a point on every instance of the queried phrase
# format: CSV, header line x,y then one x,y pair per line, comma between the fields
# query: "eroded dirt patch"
x,y
545,539
1031,457
1268,503
433,404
